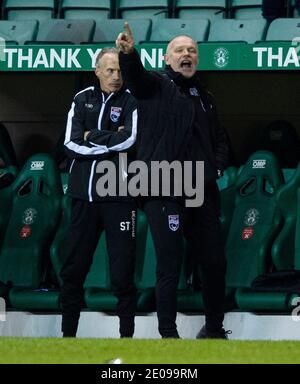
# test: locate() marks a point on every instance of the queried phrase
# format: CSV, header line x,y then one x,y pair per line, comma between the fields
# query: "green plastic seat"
x,y
165,30
246,9
107,30
226,185
283,30
142,9
65,31
288,173
29,9
87,9
249,31
36,198
256,223
7,176
200,9
283,249
18,31
255,219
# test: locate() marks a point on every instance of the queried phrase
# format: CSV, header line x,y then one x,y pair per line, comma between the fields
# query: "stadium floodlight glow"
x,y
2,309
2,48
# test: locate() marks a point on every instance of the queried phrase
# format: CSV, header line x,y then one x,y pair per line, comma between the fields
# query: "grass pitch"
x,y
137,351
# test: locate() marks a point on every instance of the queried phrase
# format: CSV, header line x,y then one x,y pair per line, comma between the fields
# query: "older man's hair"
x,y
171,41
104,51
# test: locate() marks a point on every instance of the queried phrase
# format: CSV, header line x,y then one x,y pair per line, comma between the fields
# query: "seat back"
x,y
7,176
200,9
142,9
281,138
226,185
107,30
283,249
18,31
65,31
29,9
165,30
249,31
297,240
36,199
283,30
88,9
246,9
255,220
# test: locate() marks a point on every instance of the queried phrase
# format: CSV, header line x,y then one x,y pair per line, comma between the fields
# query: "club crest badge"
x,y
115,113
173,222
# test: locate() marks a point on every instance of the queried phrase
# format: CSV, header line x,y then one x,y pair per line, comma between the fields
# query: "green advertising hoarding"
x,y
213,56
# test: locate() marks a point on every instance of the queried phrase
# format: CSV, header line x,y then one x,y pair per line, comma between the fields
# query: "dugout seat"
x,y
283,249
166,29
200,9
274,294
87,9
281,138
36,199
255,224
29,9
255,219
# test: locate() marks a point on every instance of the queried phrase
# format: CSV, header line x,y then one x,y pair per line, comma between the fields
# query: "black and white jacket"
x,y
101,114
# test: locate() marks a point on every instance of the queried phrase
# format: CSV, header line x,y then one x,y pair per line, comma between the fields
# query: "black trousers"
x,y
88,220
165,219
202,231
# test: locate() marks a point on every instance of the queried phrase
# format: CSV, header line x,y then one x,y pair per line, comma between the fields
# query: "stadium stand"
x,y
246,9
18,32
87,9
164,30
107,30
200,9
60,31
29,9
228,30
283,30
36,196
141,9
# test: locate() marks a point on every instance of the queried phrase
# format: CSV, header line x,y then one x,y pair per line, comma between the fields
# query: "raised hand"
x,y
125,41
